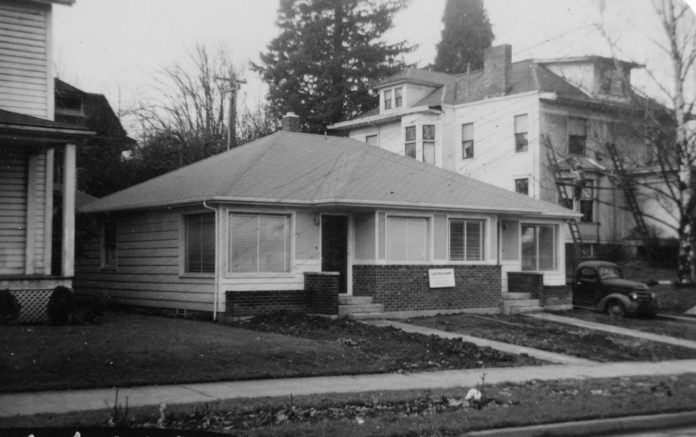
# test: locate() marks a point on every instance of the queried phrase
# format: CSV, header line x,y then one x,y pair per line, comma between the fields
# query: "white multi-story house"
x,y
29,140
497,125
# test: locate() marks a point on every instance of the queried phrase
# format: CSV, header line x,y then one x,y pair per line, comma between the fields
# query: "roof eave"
x,y
379,119
325,203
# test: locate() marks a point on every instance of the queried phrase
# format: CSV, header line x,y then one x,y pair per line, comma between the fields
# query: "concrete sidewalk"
x,y
57,402
614,329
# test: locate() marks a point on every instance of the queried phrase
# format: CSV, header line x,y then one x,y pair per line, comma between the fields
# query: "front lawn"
x,y
657,325
405,413
674,300
133,349
556,337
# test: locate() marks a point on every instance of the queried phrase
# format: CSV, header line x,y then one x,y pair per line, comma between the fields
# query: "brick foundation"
x,y
323,289
560,297
249,303
526,282
406,287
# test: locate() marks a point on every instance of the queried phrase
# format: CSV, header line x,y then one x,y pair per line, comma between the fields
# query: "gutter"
x,y
346,203
216,296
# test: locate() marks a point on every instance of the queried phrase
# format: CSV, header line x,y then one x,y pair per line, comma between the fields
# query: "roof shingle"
x,y
313,170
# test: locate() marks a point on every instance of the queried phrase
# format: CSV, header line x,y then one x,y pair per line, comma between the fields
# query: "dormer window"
x,y
398,97
387,99
611,81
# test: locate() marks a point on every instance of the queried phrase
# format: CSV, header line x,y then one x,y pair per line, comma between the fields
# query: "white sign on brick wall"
x,y
441,278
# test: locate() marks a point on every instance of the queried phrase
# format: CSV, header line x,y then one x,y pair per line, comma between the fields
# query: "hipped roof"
x,y
298,169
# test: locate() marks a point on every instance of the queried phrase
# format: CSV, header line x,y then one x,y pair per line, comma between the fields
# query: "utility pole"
x,y
234,85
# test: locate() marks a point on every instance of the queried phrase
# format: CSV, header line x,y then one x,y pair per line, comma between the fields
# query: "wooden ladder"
x,y
628,190
563,195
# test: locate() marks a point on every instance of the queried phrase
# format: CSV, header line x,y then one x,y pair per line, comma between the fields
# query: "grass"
x,y
556,337
412,412
662,326
674,300
134,349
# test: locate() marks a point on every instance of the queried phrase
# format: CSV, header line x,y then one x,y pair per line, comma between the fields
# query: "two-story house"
x,y
499,123
29,139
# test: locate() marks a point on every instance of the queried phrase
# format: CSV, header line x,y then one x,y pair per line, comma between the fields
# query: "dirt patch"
x,y
395,349
556,337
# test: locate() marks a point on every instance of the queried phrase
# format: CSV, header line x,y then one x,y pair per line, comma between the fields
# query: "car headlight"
x,y
633,296
652,296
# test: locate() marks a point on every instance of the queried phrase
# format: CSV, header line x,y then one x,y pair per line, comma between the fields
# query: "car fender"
x,y
601,306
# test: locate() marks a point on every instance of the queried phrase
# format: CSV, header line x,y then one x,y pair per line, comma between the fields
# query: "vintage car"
x,y
600,285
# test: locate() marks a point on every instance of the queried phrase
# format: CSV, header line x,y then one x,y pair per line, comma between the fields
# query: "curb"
x,y
596,427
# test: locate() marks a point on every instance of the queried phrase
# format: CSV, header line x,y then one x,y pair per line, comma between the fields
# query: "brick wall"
x,y
406,287
526,282
247,303
323,291
556,296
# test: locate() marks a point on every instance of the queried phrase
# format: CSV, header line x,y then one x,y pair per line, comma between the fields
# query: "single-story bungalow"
x,y
309,222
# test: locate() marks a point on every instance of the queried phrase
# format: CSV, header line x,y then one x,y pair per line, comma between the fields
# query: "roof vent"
x,y
291,122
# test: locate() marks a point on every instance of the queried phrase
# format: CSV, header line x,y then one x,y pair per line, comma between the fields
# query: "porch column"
x,y
69,179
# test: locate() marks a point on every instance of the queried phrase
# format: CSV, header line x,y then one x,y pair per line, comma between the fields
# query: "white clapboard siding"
x,y
13,198
147,272
24,76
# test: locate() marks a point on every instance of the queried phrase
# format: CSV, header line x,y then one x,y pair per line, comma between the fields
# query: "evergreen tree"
x,y
467,33
328,51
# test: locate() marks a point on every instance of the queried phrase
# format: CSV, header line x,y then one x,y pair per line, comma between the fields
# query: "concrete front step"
x,y
516,296
525,309
344,310
354,300
517,306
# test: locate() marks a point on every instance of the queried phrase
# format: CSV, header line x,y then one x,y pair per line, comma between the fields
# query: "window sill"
x,y
108,269
197,275
269,275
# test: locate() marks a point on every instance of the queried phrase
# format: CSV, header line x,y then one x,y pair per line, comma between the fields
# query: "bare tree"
x,y
191,116
667,133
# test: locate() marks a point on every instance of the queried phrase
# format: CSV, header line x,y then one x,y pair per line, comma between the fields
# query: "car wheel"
x,y
616,309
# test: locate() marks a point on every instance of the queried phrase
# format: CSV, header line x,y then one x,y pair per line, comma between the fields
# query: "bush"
x,y
9,307
60,305
86,311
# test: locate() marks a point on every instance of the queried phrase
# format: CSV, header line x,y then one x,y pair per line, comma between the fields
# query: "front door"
x,y
334,247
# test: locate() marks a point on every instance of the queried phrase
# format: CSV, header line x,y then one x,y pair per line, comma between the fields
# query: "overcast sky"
x,y
117,47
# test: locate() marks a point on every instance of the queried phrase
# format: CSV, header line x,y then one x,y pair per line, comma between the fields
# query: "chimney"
x,y
497,70
291,122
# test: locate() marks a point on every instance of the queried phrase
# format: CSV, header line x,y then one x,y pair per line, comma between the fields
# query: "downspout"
x,y
217,261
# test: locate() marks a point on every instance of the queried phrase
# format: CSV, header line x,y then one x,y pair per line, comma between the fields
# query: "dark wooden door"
x,y
334,247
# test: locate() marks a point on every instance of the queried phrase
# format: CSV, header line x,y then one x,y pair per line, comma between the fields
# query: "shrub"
x,y
9,307
60,305
86,311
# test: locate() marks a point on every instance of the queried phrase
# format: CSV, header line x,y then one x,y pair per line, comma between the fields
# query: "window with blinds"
x,y
407,239
259,243
200,243
466,240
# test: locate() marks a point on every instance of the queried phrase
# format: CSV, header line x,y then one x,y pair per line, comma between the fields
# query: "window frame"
x,y
398,97
410,143
484,222
428,239
289,226
576,203
574,141
517,186
387,97
556,236
368,137
106,246
521,137
467,144
428,142
184,245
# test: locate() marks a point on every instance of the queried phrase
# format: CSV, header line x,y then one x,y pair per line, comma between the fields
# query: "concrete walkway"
x,y
614,329
551,357
57,402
